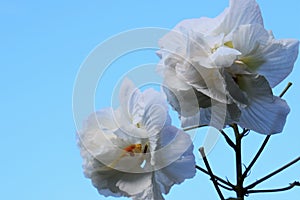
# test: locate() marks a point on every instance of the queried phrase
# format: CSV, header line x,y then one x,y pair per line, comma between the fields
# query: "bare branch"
x,y
194,127
202,152
273,173
225,187
216,177
256,156
292,185
228,140
286,89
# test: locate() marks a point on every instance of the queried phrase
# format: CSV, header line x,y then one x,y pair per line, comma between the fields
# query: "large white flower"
x,y
230,60
134,151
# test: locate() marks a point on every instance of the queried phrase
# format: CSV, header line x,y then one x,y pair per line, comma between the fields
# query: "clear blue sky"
x,y
43,44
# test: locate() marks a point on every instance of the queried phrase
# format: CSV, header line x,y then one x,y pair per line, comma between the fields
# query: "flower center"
x,y
132,150
214,49
138,125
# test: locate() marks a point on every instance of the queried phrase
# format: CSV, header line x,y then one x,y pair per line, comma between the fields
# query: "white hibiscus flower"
x,y
232,61
134,151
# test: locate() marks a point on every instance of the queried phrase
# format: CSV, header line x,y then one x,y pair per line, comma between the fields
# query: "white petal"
x,y
248,38
171,79
176,152
107,119
271,58
240,12
127,90
183,168
174,41
171,140
176,172
105,183
134,184
201,25
223,57
215,85
153,192
156,112
187,102
279,57
218,116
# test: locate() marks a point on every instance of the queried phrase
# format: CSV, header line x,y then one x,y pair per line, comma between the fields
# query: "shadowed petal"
x,y
266,113
265,117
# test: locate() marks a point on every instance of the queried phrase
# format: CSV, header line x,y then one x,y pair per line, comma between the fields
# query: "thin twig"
x,y
202,152
272,174
296,183
216,177
256,156
245,132
225,187
286,89
193,127
228,140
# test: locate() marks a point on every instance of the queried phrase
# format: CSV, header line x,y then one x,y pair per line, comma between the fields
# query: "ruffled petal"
x,y
134,184
249,38
127,91
105,181
203,25
106,119
271,58
217,116
175,141
175,173
279,56
171,79
223,57
240,12
215,85
186,102
153,192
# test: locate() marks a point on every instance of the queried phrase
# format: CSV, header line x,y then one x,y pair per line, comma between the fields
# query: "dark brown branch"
x,y
228,140
202,152
292,185
272,174
216,177
239,189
